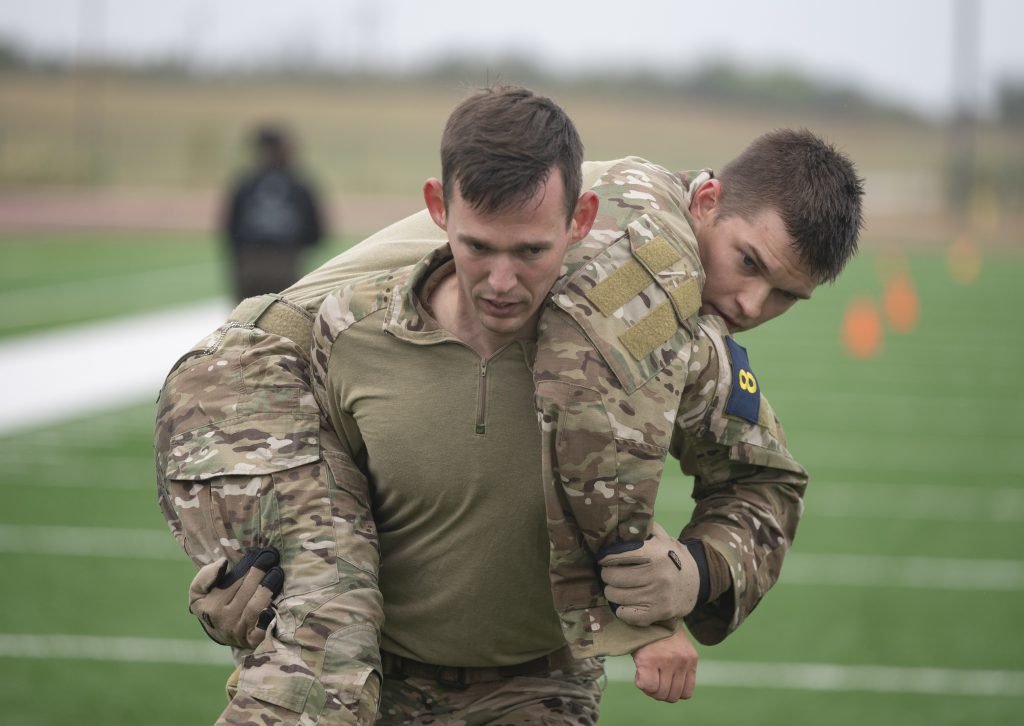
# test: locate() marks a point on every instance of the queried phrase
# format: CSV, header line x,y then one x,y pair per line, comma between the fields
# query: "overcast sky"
x,y
898,49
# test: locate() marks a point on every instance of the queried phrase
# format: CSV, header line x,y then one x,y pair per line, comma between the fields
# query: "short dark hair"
x,y
813,186
501,144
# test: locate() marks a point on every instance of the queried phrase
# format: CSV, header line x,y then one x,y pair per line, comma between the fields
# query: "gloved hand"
x,y
659,579
233,606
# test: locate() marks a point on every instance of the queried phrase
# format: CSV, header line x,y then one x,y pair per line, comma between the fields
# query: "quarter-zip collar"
x,y
407,314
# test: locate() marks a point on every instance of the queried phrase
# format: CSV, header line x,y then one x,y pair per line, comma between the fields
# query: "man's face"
x,y
507,262
753,272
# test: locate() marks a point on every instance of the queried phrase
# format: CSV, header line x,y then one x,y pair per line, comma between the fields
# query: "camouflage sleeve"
x,y
748,489
243,461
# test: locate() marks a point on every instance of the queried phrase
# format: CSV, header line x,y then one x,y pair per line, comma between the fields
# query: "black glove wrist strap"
x,y
696,549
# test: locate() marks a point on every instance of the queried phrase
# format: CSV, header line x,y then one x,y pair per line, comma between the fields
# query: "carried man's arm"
x,y
748,491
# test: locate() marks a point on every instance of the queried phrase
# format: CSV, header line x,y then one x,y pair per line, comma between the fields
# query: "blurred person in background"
x,y
274,464
272,218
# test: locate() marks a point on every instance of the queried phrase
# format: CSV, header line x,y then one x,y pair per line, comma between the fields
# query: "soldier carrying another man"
x,y
457,455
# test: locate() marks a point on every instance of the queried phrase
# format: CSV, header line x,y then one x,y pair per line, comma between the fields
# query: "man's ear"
x,y
583,216
433,197
704,202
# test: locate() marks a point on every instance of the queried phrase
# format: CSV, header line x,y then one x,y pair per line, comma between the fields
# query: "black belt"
x,y
464,676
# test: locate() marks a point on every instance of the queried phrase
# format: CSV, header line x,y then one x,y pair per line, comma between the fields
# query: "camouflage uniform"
x,y
747,487
477,612
566,696
243,461
626,373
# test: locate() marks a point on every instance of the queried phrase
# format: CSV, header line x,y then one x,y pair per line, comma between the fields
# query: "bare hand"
x,y
666,670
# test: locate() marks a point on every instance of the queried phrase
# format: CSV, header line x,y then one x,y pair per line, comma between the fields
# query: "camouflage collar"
x,y
408,317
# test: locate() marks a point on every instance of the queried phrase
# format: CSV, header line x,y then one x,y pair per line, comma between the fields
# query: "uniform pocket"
x,y
249,445
278,675
352,669
251,481
316,677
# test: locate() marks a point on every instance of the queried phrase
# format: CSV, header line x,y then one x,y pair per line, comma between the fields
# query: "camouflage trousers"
x,y
566,697
242,462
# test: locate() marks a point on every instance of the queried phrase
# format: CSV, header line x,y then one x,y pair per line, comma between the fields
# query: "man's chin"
x,y
709,309
503,324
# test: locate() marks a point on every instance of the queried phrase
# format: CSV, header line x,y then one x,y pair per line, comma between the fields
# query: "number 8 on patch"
x,y
744,398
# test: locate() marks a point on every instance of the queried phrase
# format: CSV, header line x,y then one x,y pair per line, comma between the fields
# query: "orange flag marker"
x,y
901,304
862,329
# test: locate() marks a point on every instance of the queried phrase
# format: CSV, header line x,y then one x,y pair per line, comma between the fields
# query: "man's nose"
x,y
502,277
751,301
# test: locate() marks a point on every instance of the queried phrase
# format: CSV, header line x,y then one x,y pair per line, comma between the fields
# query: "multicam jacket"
x,y
627,372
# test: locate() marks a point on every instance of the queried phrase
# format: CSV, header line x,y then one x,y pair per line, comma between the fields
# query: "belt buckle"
x,y
458,681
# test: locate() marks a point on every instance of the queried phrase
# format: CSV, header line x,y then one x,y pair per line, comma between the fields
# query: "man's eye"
x,y
788,296
534,251
748,261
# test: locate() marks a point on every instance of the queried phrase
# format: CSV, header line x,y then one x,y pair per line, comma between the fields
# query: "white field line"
x,y
50,452
36,304
106,429
790,676
933,573
50,461
61,374
837,677
916,502
133,650
147,544
121,473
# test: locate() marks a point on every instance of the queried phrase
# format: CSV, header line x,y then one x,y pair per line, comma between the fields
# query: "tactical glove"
x,y
658,579
233,606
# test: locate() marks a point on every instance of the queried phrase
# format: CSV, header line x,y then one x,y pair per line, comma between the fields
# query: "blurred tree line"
x,y
715,80
993,156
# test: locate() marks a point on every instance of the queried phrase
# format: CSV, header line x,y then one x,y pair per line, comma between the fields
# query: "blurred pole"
x,y
198,24
368,20
965,107
88,90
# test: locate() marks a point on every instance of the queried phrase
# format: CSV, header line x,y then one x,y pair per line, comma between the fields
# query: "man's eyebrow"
x,y
517,247
468,239
756,254
542,243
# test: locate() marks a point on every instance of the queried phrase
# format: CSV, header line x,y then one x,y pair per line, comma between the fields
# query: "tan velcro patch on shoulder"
x,y
685,298
632,278
656,328
620,287
658,254
661,323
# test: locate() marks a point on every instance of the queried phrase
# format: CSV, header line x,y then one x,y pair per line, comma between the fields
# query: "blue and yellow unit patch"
x,y
745,394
